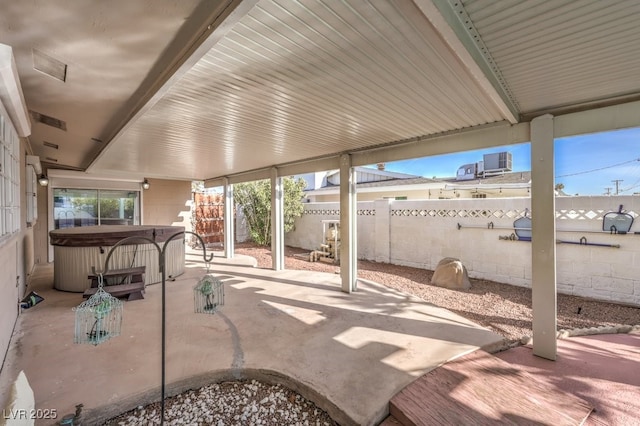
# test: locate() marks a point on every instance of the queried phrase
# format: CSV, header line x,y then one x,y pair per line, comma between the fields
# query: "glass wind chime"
x,y
98,318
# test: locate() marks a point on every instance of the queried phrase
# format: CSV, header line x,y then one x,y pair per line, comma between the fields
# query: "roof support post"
x,y
277,221
348,224
229,219
543,238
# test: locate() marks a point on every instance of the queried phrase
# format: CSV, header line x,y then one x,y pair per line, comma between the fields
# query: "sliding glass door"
x,y
88,207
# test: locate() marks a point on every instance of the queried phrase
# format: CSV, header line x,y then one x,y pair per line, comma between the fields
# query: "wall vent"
x,y
49,121
50,66
50,145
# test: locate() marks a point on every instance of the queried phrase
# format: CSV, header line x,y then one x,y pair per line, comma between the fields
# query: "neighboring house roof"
x,y
383,184
395,182
504,178
513,179
374,171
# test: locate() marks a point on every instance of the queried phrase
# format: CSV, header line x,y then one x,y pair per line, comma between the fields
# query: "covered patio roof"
x,y
202,90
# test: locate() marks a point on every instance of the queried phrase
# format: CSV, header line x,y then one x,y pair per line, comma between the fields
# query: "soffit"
x,y
109,49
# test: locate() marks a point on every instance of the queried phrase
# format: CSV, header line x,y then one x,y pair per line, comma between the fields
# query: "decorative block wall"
x,y
481,233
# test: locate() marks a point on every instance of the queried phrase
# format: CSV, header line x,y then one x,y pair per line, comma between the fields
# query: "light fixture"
x,y
43,180
145,184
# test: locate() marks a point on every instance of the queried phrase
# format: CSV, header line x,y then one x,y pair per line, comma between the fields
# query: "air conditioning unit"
x,y
498,162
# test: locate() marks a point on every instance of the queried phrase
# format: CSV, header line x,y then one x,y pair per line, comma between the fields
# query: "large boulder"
x,y
451,273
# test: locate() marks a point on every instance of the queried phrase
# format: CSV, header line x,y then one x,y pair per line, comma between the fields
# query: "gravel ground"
x,y
231,403
503,308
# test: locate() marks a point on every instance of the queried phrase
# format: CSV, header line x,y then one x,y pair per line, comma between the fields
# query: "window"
x,y
9,177
88,207
117,207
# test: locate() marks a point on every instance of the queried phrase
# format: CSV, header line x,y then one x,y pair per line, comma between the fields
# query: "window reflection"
x,y
88,207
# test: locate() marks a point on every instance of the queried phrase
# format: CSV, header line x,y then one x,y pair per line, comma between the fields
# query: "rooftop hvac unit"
x,y
498,162
467,172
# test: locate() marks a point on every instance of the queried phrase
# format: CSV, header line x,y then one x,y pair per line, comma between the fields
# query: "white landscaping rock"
x,y
231,403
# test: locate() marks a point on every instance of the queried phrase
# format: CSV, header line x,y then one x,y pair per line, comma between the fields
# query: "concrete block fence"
x,y
420,233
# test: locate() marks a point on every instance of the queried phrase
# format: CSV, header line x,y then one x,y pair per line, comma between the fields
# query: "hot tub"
x,y
77,250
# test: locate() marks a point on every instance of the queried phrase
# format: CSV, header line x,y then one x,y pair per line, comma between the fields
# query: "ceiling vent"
x,y
50,66
49,121
50,145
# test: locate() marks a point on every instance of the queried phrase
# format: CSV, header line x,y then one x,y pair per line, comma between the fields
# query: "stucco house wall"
x,y
16,264
167,202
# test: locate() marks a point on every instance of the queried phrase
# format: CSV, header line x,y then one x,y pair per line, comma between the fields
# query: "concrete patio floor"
x,y
348,353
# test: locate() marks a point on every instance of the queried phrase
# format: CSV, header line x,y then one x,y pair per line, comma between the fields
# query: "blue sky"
x,y
586,165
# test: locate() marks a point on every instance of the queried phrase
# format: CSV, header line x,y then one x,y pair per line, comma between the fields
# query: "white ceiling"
x,y
195,91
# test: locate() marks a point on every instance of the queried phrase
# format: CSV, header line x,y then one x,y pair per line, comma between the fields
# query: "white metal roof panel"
x,y
562,52
297,80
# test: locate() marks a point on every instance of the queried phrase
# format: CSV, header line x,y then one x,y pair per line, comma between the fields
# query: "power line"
x,y
597,170
634,184
630,187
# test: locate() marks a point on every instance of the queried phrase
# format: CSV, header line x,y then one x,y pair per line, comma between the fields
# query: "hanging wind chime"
x,y
208,295
98,318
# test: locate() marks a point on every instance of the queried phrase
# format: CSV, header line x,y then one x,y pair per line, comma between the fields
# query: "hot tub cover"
x,y
109,235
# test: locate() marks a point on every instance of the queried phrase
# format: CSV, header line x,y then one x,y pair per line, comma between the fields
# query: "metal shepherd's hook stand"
x,y
162,264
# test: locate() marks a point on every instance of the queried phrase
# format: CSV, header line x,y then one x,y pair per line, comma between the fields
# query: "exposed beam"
x,y
315,165
250,176
615,117
603,119
596,104
486,136
480,137
453,23
287,169
216,182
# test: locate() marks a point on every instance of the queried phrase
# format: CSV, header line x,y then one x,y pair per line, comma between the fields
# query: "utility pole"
x,y
608,191
617,182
